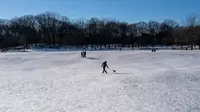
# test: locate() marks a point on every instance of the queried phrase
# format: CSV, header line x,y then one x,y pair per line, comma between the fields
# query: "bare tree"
x,y
123,29
197,32
132,33
112,33
153,28
48,24
191,23
167,28
93,30
179,36
142,28
52,29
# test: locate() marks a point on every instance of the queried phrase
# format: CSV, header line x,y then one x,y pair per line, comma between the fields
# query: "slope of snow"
x,y
165,81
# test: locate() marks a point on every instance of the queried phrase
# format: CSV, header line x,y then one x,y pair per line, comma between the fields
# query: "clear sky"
x,y
123,10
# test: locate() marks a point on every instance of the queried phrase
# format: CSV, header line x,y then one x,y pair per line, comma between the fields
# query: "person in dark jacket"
x,y
84,54
81,54
104,65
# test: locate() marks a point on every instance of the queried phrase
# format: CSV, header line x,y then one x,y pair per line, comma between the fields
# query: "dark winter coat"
x,y
104,65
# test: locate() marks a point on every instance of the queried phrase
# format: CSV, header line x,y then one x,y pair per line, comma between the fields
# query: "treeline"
x,y
53,29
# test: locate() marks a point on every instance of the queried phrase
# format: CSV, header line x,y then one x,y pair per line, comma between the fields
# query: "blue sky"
x,y
123,10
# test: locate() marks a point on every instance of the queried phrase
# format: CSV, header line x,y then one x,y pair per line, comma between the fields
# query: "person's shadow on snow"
x,y
91,58
117,73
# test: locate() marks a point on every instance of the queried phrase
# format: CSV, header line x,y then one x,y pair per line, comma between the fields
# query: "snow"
x,y
164,81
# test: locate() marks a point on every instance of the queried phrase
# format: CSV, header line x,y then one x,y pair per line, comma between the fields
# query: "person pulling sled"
x,y
104,65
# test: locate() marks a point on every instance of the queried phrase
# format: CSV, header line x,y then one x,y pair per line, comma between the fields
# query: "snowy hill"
x,y
165,81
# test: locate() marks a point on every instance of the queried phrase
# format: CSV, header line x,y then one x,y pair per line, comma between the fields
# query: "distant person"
x,y
104,65
84,54
153,50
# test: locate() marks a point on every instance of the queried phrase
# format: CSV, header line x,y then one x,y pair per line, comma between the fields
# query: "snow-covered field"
x,y
165,81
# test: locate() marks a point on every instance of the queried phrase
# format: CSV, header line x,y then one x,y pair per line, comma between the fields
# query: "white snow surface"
x,y
164,81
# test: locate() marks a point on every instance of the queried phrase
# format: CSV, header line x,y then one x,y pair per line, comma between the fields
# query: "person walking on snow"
x,y
84,54
104,65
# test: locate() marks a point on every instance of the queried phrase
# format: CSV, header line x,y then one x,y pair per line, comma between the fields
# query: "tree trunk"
x,y
108,46
132,46
95,46
54,41
192,47
181,46
60,41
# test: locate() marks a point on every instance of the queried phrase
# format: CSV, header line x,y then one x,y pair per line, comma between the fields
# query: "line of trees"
x,y
53,29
